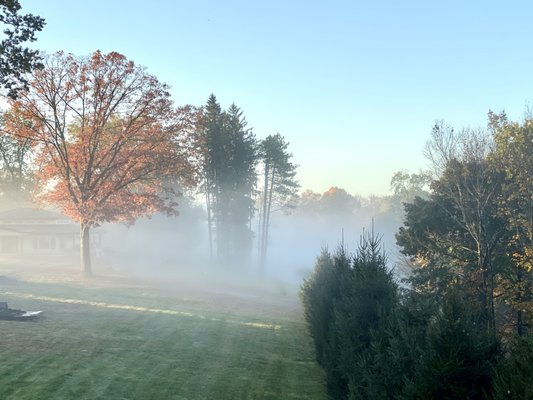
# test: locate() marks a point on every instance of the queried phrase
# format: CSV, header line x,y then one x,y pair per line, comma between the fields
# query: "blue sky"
x,y
354,86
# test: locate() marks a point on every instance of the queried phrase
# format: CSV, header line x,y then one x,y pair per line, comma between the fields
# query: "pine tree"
x,y
229,180
279,183
212,133
242,169
512,377
346,300
458,358
318,294
368,297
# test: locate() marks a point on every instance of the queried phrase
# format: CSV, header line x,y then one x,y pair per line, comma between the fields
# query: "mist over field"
x,y
164,246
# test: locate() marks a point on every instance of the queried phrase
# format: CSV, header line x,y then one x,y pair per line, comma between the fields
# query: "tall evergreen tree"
x,y
229,180
243,177
368,296
211,133
278,184
346,300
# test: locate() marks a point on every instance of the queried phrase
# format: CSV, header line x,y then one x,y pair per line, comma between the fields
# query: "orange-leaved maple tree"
x,y
109,144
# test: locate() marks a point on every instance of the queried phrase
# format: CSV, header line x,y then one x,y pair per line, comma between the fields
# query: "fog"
x,y
174,250
157,245
177,247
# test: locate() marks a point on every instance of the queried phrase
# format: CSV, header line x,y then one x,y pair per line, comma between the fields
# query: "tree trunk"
x,y
85,249
266,218
262,219
209,223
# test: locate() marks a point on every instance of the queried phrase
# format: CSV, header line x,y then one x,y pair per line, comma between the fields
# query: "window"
x,y
44,243
10,244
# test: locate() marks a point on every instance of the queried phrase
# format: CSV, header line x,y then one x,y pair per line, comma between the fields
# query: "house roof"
x,y
38,229
35,221
27,214
10,232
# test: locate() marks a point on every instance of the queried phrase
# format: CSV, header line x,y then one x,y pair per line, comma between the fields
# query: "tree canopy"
x,y
107,138
15,59
474,231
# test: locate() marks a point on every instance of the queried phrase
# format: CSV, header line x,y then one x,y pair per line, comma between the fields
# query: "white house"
x,y
32,231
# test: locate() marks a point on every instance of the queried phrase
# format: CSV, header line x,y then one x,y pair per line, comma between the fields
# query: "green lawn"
x,y
138,343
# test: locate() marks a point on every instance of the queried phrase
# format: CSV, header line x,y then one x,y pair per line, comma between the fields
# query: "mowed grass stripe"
x,y
100,304
82,351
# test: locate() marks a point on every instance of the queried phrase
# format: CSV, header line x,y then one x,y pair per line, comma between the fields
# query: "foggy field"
x,y
135,342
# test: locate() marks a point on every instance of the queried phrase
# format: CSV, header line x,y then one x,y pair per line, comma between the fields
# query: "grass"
x,y
105,342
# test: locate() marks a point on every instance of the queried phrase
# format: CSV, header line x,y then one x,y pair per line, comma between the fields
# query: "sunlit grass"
x,y
92,344
100,304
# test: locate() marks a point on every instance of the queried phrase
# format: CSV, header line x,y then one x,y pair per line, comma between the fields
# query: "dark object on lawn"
x,y
17,315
